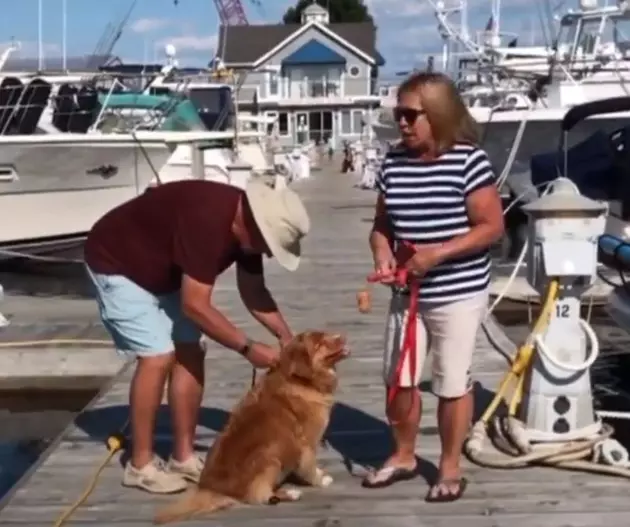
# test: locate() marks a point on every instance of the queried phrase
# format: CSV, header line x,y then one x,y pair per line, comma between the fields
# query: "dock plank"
x,y
321,294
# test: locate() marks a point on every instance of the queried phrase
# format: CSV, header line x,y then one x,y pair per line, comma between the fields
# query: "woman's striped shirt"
x,y
426,203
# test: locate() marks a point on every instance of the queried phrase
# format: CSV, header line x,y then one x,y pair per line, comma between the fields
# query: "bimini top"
x,y
602,106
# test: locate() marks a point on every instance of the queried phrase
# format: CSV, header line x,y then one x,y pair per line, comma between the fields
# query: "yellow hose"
x,y
524,354
513,452
115,443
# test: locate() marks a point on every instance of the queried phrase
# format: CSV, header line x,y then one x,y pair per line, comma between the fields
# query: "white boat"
x,y
591,62
53,187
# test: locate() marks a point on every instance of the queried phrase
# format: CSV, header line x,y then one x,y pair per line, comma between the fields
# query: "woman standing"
x,y
437,192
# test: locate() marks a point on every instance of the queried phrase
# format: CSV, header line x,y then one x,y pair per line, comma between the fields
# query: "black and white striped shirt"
x,y
426,203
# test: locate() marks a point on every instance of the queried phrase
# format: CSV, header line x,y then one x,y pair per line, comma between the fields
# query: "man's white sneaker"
x,y
189,469
153,477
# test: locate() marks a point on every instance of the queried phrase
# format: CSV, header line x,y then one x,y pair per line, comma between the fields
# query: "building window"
x,y
354,71
351,122
283,123
357,121
346,123
270,126
274,84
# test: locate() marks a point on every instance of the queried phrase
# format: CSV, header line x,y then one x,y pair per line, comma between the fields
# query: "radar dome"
x,y
170,50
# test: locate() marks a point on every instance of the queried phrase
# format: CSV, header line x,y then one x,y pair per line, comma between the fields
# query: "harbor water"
x,y
35,410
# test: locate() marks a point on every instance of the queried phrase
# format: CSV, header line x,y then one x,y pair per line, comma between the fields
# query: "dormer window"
x,y
315,13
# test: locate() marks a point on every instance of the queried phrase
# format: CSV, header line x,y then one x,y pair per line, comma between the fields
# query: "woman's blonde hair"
x,y
446,112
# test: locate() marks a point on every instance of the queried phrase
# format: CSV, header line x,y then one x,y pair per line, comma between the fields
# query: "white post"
x,y
40,36
3,320
64,34
464,19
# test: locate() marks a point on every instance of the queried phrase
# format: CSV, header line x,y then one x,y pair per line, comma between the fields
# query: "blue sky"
x,y
407,29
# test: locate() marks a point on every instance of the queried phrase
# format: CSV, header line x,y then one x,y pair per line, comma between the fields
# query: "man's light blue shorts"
x,y
139,322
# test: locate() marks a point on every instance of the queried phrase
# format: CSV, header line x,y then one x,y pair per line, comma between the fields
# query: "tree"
x,y
340,11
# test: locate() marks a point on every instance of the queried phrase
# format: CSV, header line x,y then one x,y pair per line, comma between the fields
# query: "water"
x,y
30,419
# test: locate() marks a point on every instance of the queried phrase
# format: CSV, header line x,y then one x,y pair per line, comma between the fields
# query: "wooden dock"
x,y
321,294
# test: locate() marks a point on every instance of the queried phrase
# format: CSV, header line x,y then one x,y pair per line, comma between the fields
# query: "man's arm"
x,y
260,303
196,305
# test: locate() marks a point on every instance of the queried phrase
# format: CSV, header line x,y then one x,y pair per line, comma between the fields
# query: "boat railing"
x,y
22,104
124,111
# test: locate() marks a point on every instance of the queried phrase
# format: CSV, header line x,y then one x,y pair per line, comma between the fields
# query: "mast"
x,y
64,34
40,36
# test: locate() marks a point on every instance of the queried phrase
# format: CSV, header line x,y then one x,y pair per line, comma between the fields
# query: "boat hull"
x,y
541,135
58,191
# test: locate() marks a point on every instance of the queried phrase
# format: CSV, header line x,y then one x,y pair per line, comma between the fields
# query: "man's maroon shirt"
x,y
184,227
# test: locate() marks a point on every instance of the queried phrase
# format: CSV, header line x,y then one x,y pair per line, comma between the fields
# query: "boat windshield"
x,y
566,37
617,32
583,36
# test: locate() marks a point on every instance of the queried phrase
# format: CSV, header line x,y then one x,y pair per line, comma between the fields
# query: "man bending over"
x,y
154,261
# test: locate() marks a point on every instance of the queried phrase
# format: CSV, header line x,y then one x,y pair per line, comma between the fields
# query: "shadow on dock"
x,y
360,439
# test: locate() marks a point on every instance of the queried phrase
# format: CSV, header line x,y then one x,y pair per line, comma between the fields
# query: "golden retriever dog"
x,y
273,432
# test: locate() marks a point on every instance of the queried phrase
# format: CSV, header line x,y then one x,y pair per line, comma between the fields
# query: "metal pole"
x,y
64,32
197,161
235,100
40,36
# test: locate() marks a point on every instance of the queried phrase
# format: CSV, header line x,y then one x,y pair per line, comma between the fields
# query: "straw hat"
x,y
282,219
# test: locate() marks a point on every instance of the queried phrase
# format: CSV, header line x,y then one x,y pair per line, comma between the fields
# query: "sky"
x,y
407,30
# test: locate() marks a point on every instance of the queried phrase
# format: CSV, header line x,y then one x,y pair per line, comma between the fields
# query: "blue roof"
x,y
314,52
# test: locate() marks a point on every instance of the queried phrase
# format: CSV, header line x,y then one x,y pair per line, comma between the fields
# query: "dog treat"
x,y
364,301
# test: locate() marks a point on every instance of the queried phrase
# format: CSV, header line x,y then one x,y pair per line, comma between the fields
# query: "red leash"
x,y
409,347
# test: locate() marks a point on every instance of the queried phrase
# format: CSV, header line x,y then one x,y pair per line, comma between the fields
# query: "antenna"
x,y
64,31
40,36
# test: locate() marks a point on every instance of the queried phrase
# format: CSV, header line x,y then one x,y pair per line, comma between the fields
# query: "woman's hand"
x,y
385,266
425,258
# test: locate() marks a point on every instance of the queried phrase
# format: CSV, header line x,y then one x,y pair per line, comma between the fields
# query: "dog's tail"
x,y
193,503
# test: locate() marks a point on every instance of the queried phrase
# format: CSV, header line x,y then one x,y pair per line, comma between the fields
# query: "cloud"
x,y
192,42
146,25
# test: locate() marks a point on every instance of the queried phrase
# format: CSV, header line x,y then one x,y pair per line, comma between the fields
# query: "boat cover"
x,y
592,165
614,252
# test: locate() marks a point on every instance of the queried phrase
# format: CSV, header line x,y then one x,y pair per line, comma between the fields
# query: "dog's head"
x,y
310,358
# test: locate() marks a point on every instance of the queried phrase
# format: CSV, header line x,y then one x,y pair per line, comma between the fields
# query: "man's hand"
x,y
262,356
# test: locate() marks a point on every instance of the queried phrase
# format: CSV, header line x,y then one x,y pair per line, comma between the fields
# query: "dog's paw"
x,y
325,480
293,494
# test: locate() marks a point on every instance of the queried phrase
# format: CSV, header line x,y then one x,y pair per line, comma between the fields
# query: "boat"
x,y
534,87
60,169
55,186
598,165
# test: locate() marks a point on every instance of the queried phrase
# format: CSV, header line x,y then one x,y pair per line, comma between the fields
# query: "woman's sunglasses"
x,y
410,114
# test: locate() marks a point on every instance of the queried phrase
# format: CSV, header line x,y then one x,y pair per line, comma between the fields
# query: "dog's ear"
x,y
295,360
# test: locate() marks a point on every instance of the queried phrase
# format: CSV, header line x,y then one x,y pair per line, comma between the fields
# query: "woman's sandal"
x,y
442,491
386,476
